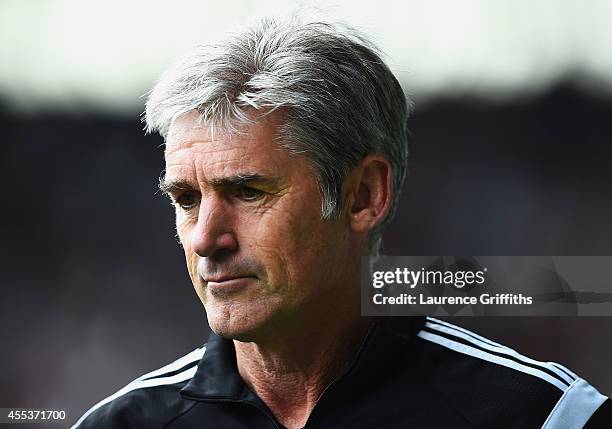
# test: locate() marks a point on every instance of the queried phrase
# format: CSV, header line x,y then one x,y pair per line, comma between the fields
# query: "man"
x,y
286,150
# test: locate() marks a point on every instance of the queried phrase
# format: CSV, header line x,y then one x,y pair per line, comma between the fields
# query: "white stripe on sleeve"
x,y
471,351
575,407
177,378
503,350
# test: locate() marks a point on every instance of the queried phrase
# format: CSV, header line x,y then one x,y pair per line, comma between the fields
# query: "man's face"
x,y
248,216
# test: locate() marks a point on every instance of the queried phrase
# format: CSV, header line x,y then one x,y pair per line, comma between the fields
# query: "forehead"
x,y
193,145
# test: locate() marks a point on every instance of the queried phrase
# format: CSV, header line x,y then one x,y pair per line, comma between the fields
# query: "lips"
x,y
224,287
225,278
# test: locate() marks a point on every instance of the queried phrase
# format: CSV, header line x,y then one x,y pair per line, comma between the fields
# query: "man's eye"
x,y
187,200
249,194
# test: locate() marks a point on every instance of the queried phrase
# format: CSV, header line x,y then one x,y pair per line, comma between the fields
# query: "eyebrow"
x,y
173,186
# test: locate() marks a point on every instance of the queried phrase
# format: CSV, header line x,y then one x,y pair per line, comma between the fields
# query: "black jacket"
x,y
409,373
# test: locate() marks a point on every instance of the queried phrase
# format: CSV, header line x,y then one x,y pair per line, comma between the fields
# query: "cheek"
x,y
192,266
289,229
191,259
289,242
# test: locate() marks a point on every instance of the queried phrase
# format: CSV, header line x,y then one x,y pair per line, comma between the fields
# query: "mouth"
x,y
226,278
226,285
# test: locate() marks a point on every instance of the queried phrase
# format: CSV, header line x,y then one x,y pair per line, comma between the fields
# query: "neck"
x,y
290,374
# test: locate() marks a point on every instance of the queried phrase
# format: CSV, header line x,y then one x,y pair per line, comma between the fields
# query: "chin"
x,y
237,322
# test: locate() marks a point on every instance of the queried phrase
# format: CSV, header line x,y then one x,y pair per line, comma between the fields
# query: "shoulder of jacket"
x,y
483,378
151,400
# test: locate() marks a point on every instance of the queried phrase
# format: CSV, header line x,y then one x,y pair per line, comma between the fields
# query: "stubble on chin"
x,y
248,320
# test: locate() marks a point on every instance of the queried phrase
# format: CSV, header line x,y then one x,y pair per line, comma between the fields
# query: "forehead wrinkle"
x,y
179,146
206,164
227,160
192,153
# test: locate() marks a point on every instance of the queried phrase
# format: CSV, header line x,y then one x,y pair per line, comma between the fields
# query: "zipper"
x,y
348,369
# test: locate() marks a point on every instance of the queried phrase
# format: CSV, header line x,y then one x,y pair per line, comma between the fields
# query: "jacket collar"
x,y
217,377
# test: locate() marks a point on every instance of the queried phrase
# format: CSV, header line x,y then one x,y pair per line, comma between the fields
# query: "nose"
x,y
213,231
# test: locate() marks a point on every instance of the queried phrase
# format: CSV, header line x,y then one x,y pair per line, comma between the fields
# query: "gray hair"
x,y
340,101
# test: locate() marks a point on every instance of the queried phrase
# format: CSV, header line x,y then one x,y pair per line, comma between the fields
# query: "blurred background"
x,y
511,154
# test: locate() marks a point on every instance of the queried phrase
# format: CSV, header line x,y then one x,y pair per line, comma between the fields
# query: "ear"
x,y
368,200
